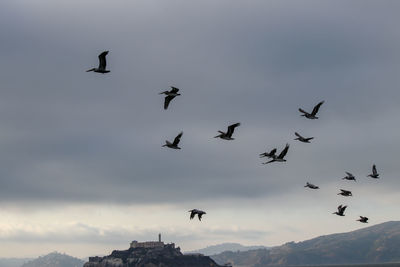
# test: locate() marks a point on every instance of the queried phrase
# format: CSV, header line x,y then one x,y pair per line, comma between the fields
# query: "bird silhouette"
x,y
280,157
199,213
169,95
312,186
345,193
303,139
313,113
102,64
363,219
174,145
340,211
349,177
228,134
374,173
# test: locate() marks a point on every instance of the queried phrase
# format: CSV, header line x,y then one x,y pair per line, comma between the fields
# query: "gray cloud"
x,y
71,136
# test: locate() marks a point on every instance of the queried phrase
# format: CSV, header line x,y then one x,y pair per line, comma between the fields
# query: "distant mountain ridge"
x,y
13,262
55,259
375,244
219,248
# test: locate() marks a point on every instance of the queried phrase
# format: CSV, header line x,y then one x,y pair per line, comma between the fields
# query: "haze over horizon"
x,y
82,170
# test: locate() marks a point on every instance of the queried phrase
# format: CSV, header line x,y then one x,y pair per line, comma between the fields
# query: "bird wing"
x,y
374,172
177,139
349,174
272,152
231,128
168,99
192,213
298,135
316,108
102,60
284,152
343,208
302,111
174,89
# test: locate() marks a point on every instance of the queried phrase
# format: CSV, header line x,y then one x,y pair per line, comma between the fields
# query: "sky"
x,y
82,170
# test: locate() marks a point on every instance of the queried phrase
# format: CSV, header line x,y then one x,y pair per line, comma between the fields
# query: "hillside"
x,y
216,249
55,259
376,244
13,262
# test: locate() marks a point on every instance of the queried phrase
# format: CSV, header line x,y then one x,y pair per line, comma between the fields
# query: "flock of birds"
x,y
271,155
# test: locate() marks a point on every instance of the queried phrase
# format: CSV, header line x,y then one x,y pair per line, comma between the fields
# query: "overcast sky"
x,y
82,169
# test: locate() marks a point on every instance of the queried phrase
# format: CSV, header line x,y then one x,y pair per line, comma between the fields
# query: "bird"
x,y
280,157
169,95
199,213
312,186
174,145
363,219
271,154
349,177
374,173
345,193
228,134
340,211
303,139
102,64
313,113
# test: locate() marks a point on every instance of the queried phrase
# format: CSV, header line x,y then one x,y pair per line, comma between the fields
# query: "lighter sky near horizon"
x,y
82,170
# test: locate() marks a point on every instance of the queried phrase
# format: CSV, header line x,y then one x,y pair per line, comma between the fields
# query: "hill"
x,y
216,249
55,259
376,244
13,262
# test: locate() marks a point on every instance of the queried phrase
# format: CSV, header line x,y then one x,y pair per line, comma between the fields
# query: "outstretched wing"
x,y
174,89
177,139
231,128
272,152
316,108
349,174
374,172
192,213
284,152
168,99
302,111
102,60
298,135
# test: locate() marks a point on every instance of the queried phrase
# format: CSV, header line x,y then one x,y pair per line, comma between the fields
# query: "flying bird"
x,y
349,177
312,186
169,95
345,193
174,145
280,157
313,113
363,219
303,139
374,173
102,64
271,154
228,134
340,211
198,212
